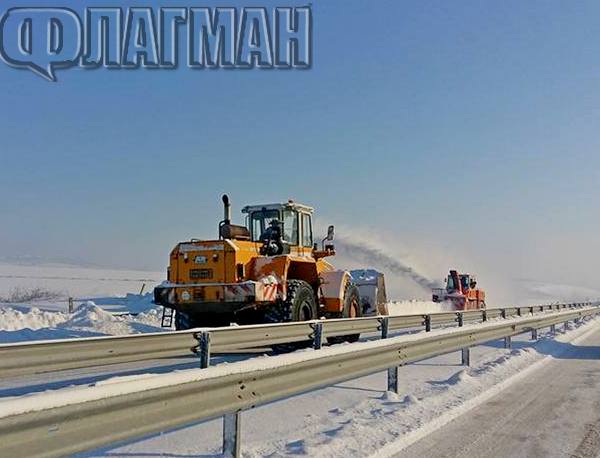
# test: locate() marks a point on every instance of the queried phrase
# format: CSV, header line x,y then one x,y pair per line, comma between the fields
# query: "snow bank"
x,y
18,318
88,314
418,307
23,323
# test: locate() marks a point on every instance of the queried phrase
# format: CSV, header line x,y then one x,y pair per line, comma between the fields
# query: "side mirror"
x,y
328,239
330,233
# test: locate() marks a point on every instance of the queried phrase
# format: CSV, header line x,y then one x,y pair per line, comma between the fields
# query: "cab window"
x,y
450,286
464,280
290,226
307,238
259,221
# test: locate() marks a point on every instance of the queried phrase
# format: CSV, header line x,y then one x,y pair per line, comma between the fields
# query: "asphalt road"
x,y
553,412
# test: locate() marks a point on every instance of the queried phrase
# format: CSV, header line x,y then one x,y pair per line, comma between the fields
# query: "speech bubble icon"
x,y
41,39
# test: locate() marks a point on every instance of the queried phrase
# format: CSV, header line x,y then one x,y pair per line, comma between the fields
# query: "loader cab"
x,y
295,221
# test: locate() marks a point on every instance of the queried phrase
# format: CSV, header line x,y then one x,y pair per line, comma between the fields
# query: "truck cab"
x,y
294,219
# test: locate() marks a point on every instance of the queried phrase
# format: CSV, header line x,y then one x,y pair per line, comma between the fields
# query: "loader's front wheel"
x,y
300,305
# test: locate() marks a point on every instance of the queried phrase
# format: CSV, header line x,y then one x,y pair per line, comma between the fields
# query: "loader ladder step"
x,y
167,317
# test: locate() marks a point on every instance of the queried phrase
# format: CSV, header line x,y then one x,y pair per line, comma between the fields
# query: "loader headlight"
x,y
185,296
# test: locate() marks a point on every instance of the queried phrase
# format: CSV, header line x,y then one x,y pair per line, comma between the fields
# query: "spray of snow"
x,y
376,257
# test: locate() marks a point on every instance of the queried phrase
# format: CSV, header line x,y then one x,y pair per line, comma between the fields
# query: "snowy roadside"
x,y
20,323
134,314
516,370
397,421
358,418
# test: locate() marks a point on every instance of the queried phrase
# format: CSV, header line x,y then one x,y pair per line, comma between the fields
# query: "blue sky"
x,y
472,125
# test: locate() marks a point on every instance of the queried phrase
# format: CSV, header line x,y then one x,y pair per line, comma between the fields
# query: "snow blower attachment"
x,y
461,290
268,271
371,287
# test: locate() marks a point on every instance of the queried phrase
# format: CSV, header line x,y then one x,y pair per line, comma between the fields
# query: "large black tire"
x,y
300,305
183,321
352,309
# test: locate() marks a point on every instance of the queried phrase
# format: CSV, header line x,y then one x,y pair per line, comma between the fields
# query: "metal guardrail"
x,y
77,420
23,359
47,356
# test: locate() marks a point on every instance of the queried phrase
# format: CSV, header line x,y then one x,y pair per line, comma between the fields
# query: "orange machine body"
x,y
461,290
238,274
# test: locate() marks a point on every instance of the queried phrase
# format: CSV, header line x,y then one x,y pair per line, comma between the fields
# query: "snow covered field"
x,y
62,281
107,302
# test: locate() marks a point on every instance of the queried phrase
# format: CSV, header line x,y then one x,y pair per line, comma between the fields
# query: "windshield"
x,y
290,226
450,286
464,281
259,221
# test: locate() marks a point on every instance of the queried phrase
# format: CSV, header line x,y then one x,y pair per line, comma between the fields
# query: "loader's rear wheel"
x,y
352,309
300,305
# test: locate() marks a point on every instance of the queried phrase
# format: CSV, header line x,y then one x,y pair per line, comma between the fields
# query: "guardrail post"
x,y
508,342
553,329
466,356
232,431
466,352
204,350
71,307
534,334
518,311
385,327
503,313
531,310
317,335
566,326
393,373
392,379
484,315
427,323
460,318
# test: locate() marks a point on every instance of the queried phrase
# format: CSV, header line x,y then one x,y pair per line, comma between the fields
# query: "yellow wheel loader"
x,y
268,271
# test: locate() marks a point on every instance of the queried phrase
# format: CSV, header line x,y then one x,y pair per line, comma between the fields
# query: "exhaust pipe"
x,y
226,209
